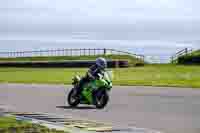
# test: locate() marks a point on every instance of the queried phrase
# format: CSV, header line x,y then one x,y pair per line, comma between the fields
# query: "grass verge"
x,y
150,75
11,125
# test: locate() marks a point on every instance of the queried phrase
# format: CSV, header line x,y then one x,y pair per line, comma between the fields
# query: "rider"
x,y
93,72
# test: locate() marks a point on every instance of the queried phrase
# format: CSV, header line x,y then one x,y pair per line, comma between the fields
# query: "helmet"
x,y
101,62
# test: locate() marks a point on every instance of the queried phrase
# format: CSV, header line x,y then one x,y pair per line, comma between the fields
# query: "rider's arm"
x,y
90,72
94,72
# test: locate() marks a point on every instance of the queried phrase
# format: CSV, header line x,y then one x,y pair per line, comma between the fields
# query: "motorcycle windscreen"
x,y
108,75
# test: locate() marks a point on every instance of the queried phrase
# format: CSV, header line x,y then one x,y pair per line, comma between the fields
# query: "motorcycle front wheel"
x,y
101,99
73,99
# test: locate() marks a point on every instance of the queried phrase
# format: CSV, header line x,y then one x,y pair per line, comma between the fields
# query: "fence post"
x,y
104,51
186,51
84,51
63,52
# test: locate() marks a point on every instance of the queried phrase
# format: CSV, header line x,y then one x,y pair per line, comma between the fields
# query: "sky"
x,y
150,27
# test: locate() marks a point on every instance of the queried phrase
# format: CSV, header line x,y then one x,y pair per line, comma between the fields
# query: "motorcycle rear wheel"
x,y
73,99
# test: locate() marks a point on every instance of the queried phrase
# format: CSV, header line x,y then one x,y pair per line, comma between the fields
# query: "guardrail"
x,y
185,51
68,52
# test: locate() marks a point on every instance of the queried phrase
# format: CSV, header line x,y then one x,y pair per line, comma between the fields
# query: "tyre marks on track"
x,y
82,125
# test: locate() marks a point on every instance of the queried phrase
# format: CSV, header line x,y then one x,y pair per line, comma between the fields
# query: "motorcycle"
x,y
96,92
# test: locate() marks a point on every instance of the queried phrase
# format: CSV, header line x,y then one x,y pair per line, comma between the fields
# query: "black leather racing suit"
x,y
91,74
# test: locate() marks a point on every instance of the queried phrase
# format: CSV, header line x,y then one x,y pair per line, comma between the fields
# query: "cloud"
x,y
107,8
102,19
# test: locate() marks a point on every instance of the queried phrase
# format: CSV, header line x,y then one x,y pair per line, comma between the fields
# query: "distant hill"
x,y
191,58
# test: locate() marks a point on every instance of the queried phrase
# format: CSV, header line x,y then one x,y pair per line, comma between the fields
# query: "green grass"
x,y
132,60
161,75
6,122
11,125
150,75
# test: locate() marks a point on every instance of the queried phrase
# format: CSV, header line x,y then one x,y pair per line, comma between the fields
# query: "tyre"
x,y
101,99
73,99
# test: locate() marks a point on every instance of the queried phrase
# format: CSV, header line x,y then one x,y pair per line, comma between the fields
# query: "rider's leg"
x,y
81,84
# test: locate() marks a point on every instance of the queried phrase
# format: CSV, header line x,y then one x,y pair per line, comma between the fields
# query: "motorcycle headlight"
x,y
75,79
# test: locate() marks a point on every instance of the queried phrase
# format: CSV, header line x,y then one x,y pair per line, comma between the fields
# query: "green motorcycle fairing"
x,y
88,88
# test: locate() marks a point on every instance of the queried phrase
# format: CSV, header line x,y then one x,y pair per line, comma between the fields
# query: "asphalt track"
x,y
171,110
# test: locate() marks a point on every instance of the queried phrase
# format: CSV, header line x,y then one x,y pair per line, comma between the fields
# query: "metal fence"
x,y
185,51
68,52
